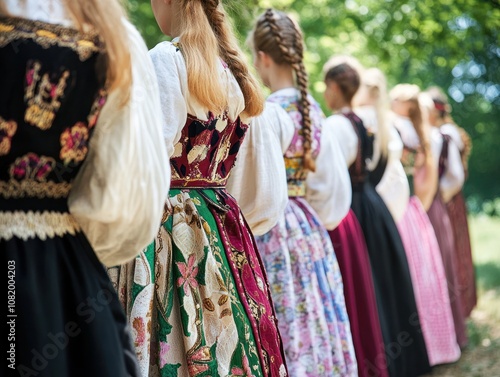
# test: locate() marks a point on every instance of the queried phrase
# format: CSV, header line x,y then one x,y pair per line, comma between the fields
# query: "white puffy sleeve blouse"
x,y
258,179
329,189
119,194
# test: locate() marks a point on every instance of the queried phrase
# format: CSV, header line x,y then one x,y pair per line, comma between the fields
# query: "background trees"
x,y
454,44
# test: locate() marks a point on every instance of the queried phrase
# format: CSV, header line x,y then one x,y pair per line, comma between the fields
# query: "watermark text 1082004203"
x,y
11,314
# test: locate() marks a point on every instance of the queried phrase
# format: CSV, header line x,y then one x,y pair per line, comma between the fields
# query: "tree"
x,y
451,43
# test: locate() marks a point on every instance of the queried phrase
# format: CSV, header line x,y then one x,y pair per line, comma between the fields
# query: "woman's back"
x,y
49,105
65,201
205,145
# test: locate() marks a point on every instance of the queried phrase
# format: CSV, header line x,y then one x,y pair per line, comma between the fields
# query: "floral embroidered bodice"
x,y
206,151
294,155
49,103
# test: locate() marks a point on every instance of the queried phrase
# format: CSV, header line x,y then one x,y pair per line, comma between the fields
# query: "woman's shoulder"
x,y
167,52
338,120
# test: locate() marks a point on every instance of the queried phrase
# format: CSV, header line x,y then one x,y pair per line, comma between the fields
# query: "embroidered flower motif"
x,y
46,34
31,166
197,361
138,325
188,272
245,370
43,95
74,142
5,28
7,131
96,108
197,369
164,348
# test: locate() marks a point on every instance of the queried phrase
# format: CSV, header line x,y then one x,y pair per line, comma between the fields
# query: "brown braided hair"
x,y
206,37
280,37
347,78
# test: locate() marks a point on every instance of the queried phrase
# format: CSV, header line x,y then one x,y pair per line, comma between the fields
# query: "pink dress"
x,y
429,284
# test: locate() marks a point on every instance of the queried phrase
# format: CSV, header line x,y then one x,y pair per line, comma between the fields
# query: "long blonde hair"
x,y
375,84
280,37
412,94
106,18
206,37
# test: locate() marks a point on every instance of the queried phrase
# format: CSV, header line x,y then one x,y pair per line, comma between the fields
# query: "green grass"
x,y
485,238
480,358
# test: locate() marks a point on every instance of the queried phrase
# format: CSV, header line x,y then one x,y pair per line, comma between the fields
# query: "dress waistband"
x,y
296,188
197,184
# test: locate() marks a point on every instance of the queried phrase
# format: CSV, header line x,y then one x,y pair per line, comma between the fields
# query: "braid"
x,y
302,83
233,57
293,56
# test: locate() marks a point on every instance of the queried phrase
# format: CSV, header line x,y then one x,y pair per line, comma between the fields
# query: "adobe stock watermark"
x,y
11,314
58,342
393,350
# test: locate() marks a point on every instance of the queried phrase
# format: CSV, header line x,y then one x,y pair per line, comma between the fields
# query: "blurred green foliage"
x,y
454,44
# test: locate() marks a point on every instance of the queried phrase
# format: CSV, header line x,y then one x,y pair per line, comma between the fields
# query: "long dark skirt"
x,y
359,292
466,276
441,222
404,342
69,320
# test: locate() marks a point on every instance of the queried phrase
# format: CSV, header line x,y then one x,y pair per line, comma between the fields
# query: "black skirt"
x,y
405,349
67,320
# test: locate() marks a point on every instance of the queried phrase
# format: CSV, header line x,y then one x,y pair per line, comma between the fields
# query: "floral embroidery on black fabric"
x,y
96,108
47,35
32,166
43,96
7,131
74,143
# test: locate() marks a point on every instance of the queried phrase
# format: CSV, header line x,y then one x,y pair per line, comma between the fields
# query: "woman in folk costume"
x,y
440,116
198,297
451,179
406,356
352,254
387,173
303,272
79,106
411,121
421,245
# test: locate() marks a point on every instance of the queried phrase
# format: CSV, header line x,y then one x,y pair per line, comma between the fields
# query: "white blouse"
x,y
453,178
407,132
258,180
346,136
51,11
328,189
393,187
119,193
452,131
